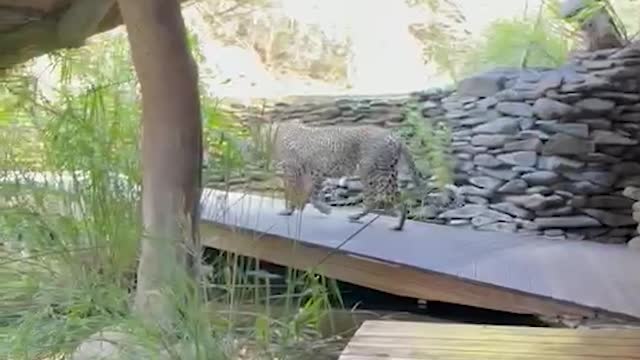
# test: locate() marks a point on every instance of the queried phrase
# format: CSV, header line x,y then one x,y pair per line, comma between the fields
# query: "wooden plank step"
x,y
404,340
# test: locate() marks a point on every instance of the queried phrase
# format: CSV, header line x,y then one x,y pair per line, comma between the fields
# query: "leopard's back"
x,y
332,151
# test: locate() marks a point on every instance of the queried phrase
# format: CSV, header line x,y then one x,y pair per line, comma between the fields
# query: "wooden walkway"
x,y
401,340
484,269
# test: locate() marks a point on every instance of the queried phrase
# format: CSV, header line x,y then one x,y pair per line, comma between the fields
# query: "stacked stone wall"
x,y
539,151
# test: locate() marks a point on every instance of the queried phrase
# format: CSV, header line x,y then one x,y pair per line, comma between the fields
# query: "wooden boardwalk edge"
x,y
247,225
391,278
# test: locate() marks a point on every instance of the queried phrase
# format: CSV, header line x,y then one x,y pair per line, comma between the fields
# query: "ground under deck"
x,y
485,269
401,340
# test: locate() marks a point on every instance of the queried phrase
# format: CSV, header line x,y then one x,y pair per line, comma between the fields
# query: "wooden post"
x,y
171,146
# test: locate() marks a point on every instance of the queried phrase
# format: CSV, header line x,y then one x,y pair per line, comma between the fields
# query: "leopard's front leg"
x,y
296,192
402,217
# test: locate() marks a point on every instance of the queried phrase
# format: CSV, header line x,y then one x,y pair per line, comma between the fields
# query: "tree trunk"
x,y
171,149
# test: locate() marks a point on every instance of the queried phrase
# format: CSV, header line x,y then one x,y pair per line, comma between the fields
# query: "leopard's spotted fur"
x,y
307,155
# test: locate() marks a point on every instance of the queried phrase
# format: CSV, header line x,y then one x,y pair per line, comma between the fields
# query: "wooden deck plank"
x,y
414,340
581,274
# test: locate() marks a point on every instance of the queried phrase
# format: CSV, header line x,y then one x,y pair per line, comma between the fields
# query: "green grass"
x,y
68,264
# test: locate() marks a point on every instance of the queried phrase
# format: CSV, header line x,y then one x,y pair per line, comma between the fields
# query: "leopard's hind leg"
x,y
381,192
317,179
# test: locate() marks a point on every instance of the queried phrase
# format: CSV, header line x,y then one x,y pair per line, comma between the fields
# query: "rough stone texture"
x,y
551,152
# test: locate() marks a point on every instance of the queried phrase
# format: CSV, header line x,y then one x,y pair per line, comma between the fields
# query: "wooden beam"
x,y
379,275
58,30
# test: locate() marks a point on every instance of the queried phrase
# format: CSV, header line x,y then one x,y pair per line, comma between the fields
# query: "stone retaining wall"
x,y
541,151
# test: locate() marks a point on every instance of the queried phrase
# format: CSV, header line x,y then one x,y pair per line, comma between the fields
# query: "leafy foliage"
x,y
429,141
444,38
283,44
516,42
69,241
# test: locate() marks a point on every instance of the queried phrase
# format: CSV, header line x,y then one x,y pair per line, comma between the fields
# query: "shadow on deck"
x,y
490,270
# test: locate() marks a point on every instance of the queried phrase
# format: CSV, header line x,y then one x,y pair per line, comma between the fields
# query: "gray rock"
x,y
579,202
610,218
604,178
541,178
634,244
547,109
463,166
500,227
560,211
499,173
486,182
619,97
609,240
518,109
563,144
476,191
626,168
577,221
536,202
605,137
462,135
581,187
590,83
596,105
517,95
519,158
558,163
609,202
457,114
575,237
503,125
569,97
459,222
513,210
479,221
490,141
629,117
598,158
523,169
629,181
632,192
470,149
549,81
527,123
533,134
596,123
482,85
486,160
621,231
578,130
533,144
473,121
553,232
540,189
473,199
618,73
487,103
515,186
471,211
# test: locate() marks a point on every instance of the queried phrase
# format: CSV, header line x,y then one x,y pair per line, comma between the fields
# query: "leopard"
x,y
306,155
